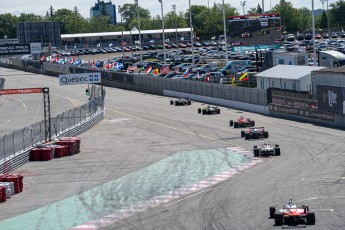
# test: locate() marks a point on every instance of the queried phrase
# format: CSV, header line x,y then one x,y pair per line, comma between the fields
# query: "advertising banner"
x,y
82,78
13,49
308,113
21,91
330,98
36,48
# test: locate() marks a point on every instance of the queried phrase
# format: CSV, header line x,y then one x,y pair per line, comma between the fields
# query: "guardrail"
x,y
17,160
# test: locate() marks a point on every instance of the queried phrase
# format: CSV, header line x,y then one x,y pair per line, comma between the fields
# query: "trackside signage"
x,y
82,78
21,91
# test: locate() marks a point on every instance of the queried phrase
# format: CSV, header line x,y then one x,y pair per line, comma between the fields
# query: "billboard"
x,y
331,98
13,49
82,78
255,29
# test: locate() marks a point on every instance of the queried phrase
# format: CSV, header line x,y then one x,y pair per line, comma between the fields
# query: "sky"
x,y
40,7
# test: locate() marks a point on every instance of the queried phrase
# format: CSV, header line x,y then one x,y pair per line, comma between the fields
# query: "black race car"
x,y
254,133
209,110
180,101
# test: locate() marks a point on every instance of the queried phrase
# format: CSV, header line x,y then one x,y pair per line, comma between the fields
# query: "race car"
x,y
180,101
242,122
254,133
292,215
266,150
209,110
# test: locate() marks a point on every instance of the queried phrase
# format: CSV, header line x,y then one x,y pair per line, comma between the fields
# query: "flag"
x,y
207,79
243,76
43,58
148,69
118,66
197,76
156,71
186,73
232,79
164,70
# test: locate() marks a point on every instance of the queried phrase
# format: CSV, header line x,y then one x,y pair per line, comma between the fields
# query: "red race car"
x,y
254,133
292,215
242,122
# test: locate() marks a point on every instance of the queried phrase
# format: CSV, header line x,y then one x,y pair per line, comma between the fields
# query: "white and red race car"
x,y
292,215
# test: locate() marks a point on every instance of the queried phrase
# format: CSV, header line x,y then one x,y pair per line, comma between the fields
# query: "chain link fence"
x,y
20,140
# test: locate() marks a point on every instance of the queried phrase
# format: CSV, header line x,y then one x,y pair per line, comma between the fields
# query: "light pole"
x,y
130,29
161,1
123,50
226,43
313,28
141,55
327,18
191,32
174,9
243,4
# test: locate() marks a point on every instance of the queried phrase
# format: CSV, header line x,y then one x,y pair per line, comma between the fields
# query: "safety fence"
x,y
157,85
23,139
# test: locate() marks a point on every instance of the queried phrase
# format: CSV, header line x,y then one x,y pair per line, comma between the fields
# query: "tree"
x,y
129,12
337,10
288,15
258,9
8,25
323,21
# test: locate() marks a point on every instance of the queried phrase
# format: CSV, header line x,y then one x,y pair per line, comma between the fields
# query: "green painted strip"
x,y
176,171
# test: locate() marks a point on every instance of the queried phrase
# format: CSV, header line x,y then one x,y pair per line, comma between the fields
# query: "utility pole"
x,y
174,9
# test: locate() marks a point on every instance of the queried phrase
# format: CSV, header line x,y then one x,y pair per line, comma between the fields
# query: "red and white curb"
x,y
173,195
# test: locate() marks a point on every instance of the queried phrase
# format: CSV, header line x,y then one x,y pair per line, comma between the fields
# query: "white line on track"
x,y
6,122
25,109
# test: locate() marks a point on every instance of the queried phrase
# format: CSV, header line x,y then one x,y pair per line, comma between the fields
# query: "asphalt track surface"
x,y
140,130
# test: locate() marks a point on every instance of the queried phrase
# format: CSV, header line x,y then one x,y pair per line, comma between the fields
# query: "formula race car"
x,y
209,110
292,215
242,122
180,101
254,133
266,150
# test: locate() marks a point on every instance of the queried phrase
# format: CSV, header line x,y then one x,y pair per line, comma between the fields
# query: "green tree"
x,y
129,13
323,21
288,15
259,9
8,25
337,13
303,19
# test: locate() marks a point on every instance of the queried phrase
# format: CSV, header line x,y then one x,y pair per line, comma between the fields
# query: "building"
x,y
101,8
147,37
289,77
46,33
329,86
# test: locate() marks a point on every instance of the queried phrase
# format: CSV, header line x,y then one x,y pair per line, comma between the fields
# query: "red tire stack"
x,y
17,180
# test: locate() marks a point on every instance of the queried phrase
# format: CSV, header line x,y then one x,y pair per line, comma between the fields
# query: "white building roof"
x,y
293,72
119,33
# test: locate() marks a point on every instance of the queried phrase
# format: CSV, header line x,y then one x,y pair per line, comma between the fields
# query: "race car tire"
x,y
189,102
175,103
310,218
199,110
252,123
255,146
276,146
235,124
242,133
204,112
256,152
171,102
231,123
278,219
272,211
218,111
247,136
277,151
265,134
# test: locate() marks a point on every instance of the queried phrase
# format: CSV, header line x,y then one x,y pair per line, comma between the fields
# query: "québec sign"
x,y
83,78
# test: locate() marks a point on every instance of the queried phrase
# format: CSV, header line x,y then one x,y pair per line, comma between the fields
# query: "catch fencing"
x,y
20,140
156,85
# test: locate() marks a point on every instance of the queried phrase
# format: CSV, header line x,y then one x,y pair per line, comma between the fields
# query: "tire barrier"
x,y
10,184
65,146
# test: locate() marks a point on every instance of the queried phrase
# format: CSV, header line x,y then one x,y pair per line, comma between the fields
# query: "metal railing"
x,y
20,140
